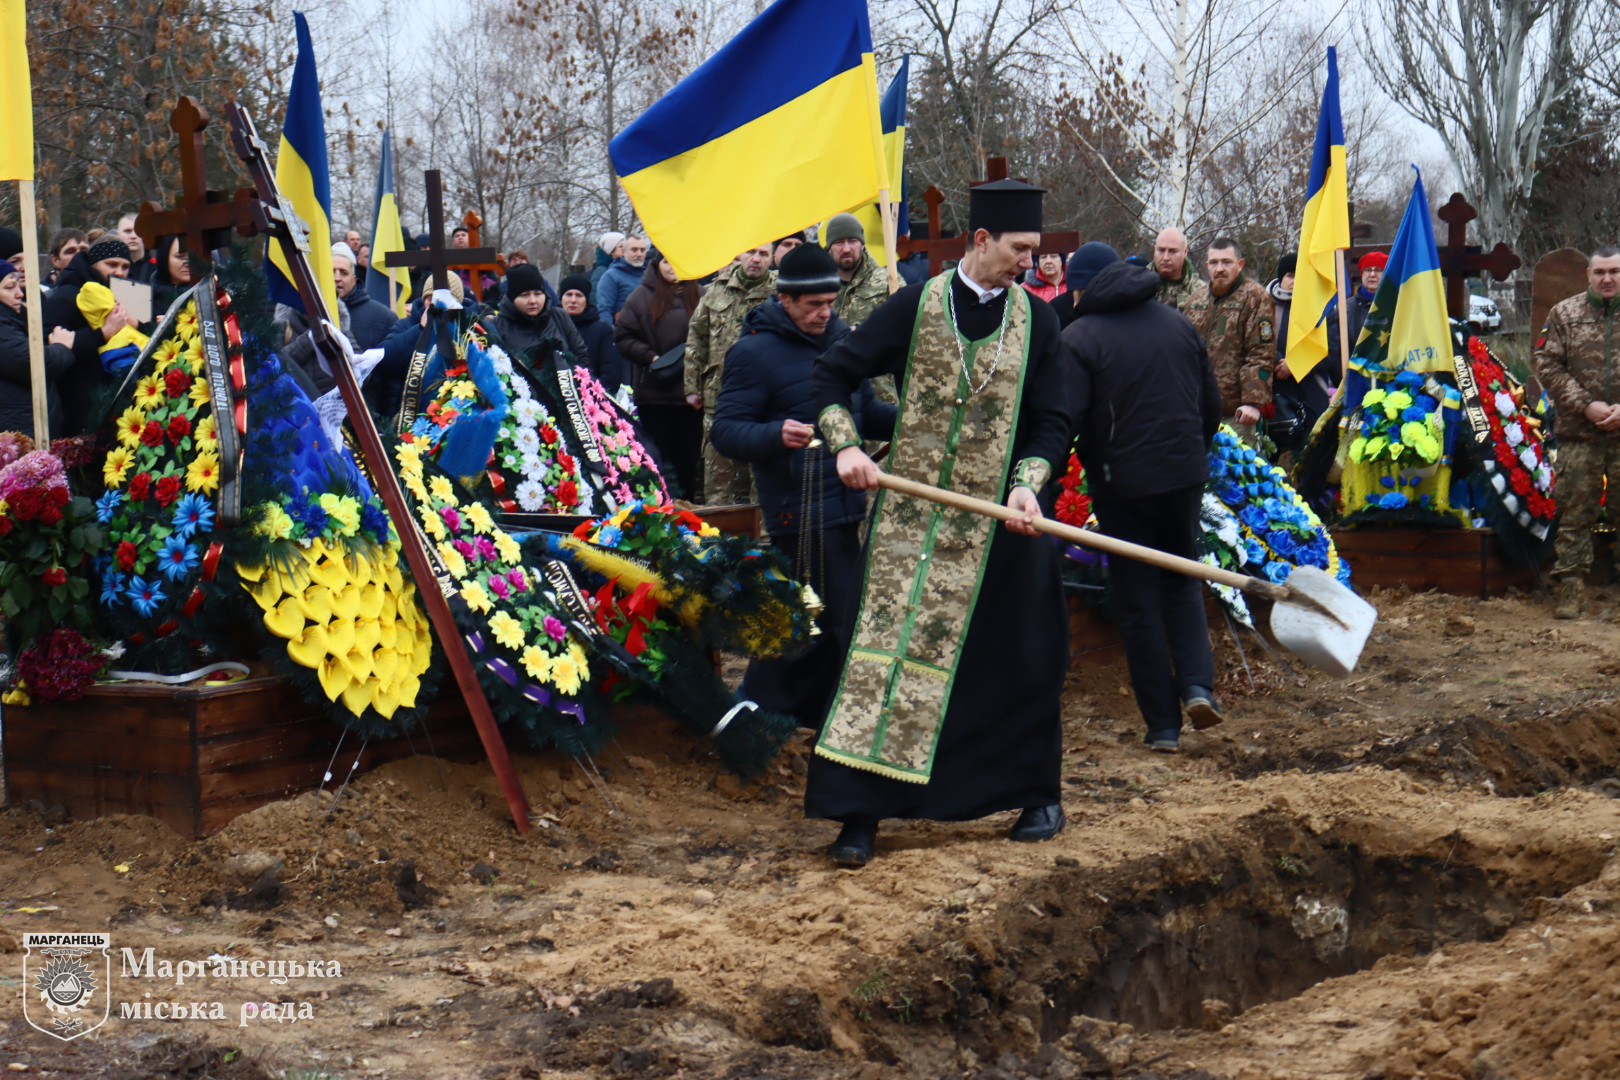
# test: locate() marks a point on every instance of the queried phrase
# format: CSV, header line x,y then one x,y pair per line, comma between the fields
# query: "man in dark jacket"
x,y
1147,405
620,280
369,320
601,355
764,415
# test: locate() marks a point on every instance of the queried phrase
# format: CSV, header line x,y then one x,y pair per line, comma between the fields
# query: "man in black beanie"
x,y
763,416
949,703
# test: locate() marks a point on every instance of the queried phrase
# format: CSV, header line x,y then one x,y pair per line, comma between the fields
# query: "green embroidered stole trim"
x,y
925,562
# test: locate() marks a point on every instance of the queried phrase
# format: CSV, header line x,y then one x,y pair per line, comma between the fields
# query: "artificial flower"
x,y
149,393
453,561
537,663
177,558
475,596
193,513
116,466
275,523
129,427
145,595
203,472
508,631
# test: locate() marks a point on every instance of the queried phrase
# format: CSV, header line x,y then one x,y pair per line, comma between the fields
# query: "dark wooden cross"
x,y
204,217
437,258
939,248
475,270
1459,260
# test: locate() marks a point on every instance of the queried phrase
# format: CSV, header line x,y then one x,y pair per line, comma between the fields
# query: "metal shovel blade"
x,y
1331,636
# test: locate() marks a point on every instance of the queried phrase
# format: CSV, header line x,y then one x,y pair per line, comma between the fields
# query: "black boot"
x,y
1038,823
854,844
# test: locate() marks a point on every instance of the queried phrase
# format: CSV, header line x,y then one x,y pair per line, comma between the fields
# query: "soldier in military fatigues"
x,y
865,283
1235,316
716,326
1177,278
1575,360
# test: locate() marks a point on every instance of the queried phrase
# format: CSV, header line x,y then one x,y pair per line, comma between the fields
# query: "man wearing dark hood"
x,y
1146,403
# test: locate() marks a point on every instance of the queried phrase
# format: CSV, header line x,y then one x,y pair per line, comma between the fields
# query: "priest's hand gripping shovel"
x,y
1315,617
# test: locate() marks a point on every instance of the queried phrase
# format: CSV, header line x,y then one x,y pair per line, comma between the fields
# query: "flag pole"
x,y
29,220
890,240
1344,315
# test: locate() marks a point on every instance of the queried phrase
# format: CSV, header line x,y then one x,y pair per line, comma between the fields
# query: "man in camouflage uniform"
x,y
1575,360
865,284
1178,281
715,328
1235,316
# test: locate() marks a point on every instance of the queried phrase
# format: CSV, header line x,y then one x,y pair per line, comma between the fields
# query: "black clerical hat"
x,y
1005,206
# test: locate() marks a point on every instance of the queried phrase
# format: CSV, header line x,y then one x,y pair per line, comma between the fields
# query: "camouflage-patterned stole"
x,y
925,562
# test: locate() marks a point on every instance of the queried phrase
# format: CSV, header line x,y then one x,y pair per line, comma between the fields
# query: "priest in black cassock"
x,y
948,706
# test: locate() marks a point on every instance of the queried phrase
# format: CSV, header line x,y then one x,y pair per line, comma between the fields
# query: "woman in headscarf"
x,y
16,372
654,321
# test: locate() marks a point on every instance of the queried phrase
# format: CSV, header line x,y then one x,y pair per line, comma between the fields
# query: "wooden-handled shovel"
x,y
1314,616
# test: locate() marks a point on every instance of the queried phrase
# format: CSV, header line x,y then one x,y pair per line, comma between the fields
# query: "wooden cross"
x,y
437,257
939,248
475,269
204,217
274,217
1459,260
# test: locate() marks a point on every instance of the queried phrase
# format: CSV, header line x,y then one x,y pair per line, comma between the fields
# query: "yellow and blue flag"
x,y
892,118
1407,327
388,286
301,173
1326,229
17,118
792,101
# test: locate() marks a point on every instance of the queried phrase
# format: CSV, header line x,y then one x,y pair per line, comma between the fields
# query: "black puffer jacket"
x,y
766,381
16,393
1141,388
522,335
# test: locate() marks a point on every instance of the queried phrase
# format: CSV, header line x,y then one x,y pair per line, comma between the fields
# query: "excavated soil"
x,y
1408,874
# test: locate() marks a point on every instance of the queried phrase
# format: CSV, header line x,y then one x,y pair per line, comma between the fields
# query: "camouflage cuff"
x,y
1032,472
838,428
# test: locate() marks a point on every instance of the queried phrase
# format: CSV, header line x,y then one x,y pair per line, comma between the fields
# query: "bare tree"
x,y
1213,75
1485,74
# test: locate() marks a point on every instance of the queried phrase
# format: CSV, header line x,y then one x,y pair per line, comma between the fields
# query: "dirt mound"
x,y
1404,871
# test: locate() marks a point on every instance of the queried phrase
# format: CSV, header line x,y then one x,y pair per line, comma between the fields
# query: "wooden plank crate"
x,y
1462,562
195,757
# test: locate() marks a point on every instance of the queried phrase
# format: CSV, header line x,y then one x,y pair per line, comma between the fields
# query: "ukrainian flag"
x,y
1325,231
302,177
892,116
387,236
794,96
17,118
1408,327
